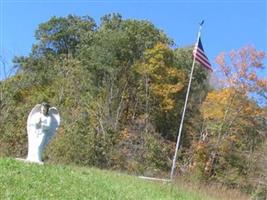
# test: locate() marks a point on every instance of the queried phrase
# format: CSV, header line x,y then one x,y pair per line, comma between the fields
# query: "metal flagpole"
x,y
185,104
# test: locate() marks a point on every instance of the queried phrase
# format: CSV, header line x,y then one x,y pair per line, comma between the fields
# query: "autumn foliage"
x,y
120,88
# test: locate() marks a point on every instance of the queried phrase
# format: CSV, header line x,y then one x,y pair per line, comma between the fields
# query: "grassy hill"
x,y
29,181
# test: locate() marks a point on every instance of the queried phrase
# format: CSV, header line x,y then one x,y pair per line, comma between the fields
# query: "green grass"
x,y
20,180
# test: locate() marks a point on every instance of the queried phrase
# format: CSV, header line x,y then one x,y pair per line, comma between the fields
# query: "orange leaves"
x,y
252,76
262,83
124,134
239,67
235,122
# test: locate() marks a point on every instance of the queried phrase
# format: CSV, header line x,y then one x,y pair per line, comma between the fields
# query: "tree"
x,y
116,46
62,34
242,72
161,82
233,122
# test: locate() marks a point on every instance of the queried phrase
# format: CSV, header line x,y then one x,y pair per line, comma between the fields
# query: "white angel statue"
x,y
42,124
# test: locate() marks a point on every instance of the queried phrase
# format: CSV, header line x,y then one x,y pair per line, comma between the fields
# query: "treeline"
x,y
120,89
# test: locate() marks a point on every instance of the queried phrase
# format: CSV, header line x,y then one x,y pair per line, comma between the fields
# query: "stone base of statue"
x,y
28,161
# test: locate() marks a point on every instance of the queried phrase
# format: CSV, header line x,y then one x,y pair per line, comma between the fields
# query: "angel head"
x,y
45,108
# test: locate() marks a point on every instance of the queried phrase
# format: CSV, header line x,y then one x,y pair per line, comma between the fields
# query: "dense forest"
x,y
120,88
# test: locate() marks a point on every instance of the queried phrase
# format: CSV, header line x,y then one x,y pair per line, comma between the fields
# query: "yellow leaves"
x,y
165,80
232,116
219,103
159,52
232,138
165,91
215,104
124,134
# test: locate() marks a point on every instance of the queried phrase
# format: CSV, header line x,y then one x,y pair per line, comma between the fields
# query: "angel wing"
x,y
55,121
32,119
40,128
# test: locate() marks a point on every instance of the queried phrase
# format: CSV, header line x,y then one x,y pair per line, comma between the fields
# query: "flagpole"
x,y
184,110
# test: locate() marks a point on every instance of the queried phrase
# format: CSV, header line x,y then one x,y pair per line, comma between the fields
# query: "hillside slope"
x,y
29,181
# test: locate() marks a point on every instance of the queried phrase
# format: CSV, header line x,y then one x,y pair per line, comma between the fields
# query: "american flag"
x,y
200,56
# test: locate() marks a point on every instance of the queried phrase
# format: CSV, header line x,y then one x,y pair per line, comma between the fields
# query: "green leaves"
x,y
99,72
120,88
63,34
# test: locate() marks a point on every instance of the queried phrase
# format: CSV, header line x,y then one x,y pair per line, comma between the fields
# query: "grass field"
x,y
20,180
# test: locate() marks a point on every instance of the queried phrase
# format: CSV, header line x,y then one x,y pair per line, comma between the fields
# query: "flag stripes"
x,y
200,56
